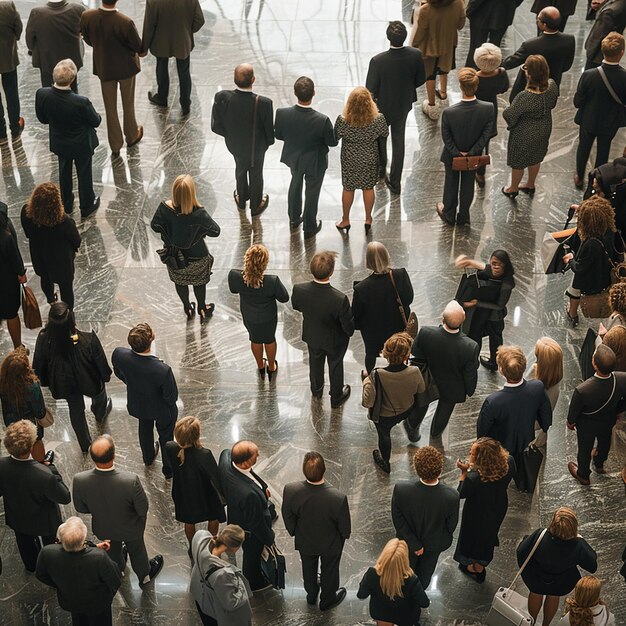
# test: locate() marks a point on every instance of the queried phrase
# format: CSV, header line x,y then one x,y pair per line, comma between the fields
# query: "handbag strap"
x,y
607,84
256,106
398,299
608,256
530,556
607,402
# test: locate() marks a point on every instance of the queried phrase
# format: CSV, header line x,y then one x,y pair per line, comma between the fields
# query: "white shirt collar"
x,y
244,89
610,62
106,469
316,484
109,10
304,106
429,484
68,88
30,458
464,99
514,384
322,282
601,377
396,47
149,353
451,330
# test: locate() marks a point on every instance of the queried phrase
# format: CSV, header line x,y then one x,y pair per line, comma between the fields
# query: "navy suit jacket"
x,y
465,127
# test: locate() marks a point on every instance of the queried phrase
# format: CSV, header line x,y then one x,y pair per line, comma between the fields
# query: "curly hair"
x,y
617,296
615,338
254,265
595,217
397,348
16,375
491,460
360,109
428,463
44,206
20,437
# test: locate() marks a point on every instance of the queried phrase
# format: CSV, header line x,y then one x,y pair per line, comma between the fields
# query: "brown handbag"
x,y
30,308
411,325
596,305
47,419
470,163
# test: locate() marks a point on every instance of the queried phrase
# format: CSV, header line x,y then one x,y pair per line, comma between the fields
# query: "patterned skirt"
x,y
197,273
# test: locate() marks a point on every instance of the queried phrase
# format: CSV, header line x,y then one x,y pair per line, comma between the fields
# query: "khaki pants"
x,y
109,95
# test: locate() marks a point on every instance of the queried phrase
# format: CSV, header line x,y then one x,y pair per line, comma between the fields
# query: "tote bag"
x,y
30,308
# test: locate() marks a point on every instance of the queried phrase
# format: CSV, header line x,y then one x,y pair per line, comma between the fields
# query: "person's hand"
x,y
419,552
462,466
470,303
571,426
574,206
268,493
104,545
568,257
462,261
22,278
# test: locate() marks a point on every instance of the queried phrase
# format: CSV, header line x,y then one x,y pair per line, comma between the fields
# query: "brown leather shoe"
x,y
624,474
139,138
573,470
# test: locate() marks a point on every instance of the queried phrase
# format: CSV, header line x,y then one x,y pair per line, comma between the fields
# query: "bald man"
x,y
246,121
565,7
452,358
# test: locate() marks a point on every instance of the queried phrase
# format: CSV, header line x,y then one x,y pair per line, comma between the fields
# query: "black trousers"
x,y
66,289
30,546
453,181
440,419
251,566
11,93
424,566
184,79
478,36
76,405
199,292
101,619
483,168
86,194
249,180
397,131
585,142
329,576
146,441
494,330
206,620
317,359
137,554
587,434
312,183
384,426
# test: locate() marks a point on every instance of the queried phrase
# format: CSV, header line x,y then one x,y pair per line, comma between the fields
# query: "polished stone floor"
x,y
120,281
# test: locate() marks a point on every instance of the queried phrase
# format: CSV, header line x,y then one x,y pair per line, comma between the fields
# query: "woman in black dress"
x,y
195,479
53,240
395,592
553,569
258,293
483,484
183,224
375,304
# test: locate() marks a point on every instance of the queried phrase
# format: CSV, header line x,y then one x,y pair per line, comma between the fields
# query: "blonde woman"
x,y
183,224
395,592
586,607
548,368
195,479
258,293
359,127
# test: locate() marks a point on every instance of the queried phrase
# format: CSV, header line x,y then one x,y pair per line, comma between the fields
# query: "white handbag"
x,y
509,608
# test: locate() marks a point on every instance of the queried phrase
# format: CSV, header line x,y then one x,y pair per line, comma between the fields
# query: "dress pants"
x,y
440,419
386,423
76,405
101,619
585,142
451,185
317,359
11,93
249,180
146,441
137,554
251,566
109,95
478,36
397,131
329,576
66,289
29,548
312,187
424,566
184,80
493,329
587,435
86,194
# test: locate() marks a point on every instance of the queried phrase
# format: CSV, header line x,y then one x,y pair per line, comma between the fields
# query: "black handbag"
x,y
431,393
173,257
586,354
373,413
532,458
273,566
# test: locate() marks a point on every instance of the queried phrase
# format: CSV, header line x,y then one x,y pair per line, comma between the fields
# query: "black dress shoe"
x,y
339,598
378,459
312,599
156,565
345,394
413,433
156,453
49,457
185,110
311,233
265,201
155,99
492,366
92,209
107,410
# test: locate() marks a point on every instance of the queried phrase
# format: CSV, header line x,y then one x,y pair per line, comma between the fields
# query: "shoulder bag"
x,y
30,308
608,86
373,413
598,305
607,402
469,163
47,419
273,566
411,325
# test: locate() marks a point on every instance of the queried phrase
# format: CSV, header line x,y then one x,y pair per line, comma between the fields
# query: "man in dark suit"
x,y
558,50
307,135
327,327
465,128
565,8
248,505
73,138
10,32
610,18
168,29
84,576
593,412
118,506
599,115
32,493
246,121
392,78
452,358
425,513
152,392
317,515
53,34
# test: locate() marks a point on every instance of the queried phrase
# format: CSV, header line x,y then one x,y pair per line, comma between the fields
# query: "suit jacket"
x,y
558,50
594,394
392,77
247,504
317,516
465,127
150,385
72,121
116,501
491,14
307,135
115,41
32,493
169,25
609,18
328,322
565,7
53,34
10,32
424,516
258,306
233,117
452,359
86,581
597,111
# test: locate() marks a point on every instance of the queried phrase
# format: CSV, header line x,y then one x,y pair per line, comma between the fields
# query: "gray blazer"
x,y
10,32
116,501
169,25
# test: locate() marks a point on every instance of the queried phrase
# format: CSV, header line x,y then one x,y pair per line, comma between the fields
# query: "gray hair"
x,y
488,57
72,534
377,257
64,73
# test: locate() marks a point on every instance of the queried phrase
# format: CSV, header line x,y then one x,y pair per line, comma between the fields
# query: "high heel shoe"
x,y
272,373
206,311
573,320
261,370
509,194
529,190
368,228
344,230
191,311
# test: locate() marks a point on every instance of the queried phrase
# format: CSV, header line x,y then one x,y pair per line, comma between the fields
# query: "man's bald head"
x,y
102,450
550,17
244,76
453,315
244,454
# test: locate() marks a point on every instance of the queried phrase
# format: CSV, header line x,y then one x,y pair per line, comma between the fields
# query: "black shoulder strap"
x,y
608,86
209,573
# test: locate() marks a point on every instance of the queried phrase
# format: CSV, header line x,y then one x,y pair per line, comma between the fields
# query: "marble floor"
x,y
120,282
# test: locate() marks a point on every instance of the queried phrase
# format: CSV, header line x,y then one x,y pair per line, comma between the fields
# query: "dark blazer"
x,y
150,385
11,266
307,134
565,7
591,266
452,359
591,395
258,305
72,121
611,17
558,50
115,41
32,493
465,127
392,78
232,117
86,581
116,501
317,516
10,32
509,415
491,14
53,34
328,323
247,504
52,248
425,516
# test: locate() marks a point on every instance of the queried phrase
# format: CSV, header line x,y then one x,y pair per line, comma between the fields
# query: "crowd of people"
x,y
425,365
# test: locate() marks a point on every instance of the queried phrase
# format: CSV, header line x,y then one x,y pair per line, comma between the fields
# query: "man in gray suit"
x,y
118,506
168,28
10,32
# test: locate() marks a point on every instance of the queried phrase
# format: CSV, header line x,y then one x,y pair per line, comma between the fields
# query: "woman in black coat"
x,y
483,484
553,569
53,240
375,302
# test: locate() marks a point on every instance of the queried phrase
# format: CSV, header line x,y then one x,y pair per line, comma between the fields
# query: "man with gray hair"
x,y
85,578
72,120
452,358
